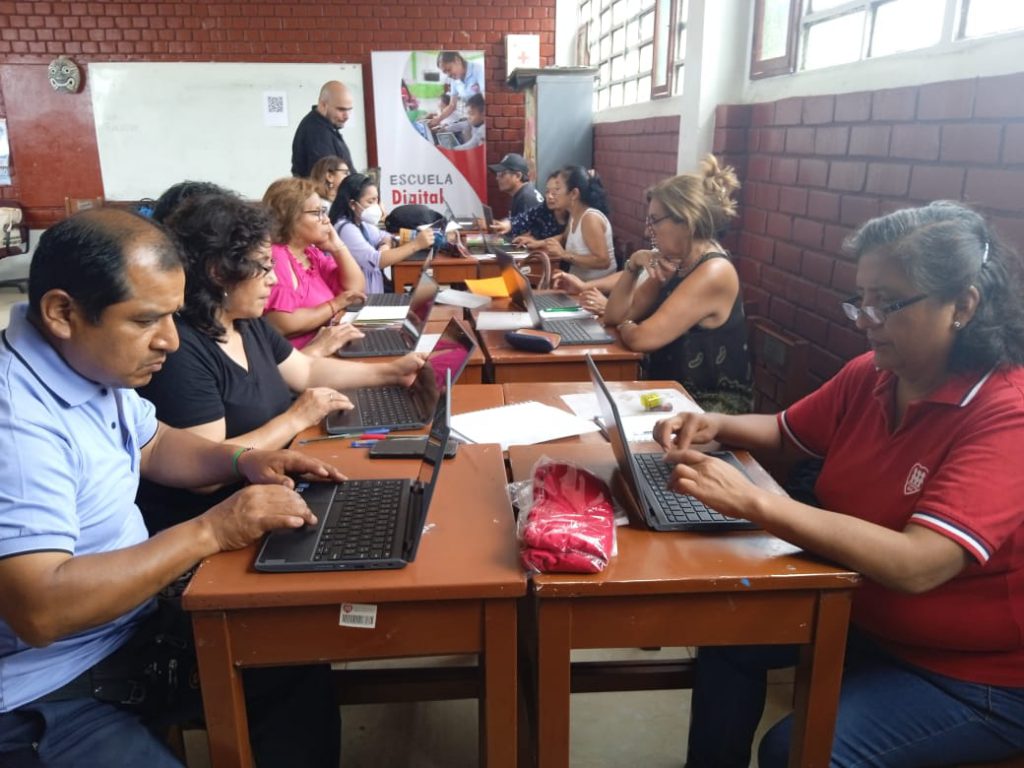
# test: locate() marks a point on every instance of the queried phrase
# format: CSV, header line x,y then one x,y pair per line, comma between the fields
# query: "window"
x,y
637,46
831,32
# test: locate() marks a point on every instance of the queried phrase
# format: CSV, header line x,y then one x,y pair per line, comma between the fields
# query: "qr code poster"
x,y
275,108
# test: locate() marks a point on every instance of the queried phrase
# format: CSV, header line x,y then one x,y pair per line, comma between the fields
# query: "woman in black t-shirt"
x,y
233,376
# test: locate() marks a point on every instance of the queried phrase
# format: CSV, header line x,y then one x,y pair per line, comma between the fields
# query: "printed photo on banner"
x,y
432,128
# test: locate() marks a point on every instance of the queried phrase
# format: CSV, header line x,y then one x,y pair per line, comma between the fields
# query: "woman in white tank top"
x,y
587,241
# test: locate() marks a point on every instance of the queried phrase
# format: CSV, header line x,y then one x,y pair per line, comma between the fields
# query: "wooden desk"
x,y
567,363
551,394
459,596
447,269
672,589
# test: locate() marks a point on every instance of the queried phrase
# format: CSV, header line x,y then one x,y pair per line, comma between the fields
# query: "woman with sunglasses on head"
x,y
317,278
920,491
688,316
233,376
356,214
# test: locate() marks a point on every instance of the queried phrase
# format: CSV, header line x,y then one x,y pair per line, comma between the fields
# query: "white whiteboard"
x,y
161,123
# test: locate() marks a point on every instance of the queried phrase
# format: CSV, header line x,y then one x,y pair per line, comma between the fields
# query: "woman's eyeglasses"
x,y
877,315
320,213
652,221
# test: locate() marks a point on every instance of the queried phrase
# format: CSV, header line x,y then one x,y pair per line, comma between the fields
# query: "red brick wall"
x,y
817,167
32,33
631,156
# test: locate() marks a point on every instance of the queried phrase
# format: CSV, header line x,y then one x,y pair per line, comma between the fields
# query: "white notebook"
x,y
519,424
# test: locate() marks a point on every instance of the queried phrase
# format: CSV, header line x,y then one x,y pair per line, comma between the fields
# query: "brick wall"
x,y
630,156
32,33
817,167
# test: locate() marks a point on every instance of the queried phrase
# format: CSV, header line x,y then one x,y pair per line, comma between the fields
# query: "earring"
x,y
957,324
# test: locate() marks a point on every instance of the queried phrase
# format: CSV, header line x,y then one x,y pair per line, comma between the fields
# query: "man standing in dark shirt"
x,y
319,132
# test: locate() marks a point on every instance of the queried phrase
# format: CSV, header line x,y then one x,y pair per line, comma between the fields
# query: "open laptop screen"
x,y
613,426
517,285
421,302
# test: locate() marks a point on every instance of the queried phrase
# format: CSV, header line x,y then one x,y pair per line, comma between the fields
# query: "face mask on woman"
x,y
371,215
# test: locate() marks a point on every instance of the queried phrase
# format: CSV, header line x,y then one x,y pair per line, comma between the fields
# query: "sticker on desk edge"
x,y
359,615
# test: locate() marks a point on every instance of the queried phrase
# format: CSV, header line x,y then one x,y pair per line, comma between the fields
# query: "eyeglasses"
x,y
651,221
320,213
261,269
877,315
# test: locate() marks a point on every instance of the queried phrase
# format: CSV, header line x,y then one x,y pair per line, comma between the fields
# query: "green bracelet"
x,y
234,459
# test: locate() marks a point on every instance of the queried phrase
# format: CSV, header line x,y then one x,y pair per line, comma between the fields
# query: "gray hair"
x,y
945,248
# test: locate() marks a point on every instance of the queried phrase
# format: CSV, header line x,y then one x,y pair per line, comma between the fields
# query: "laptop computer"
x,y
506,260
398,407
362,524
574,331
649,502
462,221
394,299
447,139
381,342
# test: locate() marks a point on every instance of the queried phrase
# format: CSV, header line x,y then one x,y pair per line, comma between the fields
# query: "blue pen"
x,y
362,443
376,431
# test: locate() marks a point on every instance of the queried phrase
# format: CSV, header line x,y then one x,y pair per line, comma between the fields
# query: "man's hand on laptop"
x,y
245,516
274,467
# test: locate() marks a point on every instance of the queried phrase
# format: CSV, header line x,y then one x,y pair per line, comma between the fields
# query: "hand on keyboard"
x,y
719,485
680,431
315,403
330,339
245,516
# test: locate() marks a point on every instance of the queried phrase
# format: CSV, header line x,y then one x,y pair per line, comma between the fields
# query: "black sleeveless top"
x,y
712,363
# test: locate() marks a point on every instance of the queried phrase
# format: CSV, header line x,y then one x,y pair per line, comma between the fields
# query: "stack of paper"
x,y
519,424
503,321
372,315
636,421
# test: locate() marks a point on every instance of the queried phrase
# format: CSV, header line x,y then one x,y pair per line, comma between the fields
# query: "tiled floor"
x,y
609,730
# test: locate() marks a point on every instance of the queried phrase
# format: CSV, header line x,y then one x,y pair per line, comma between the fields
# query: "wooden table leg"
x,y
499,702
819,674
554,626
223,695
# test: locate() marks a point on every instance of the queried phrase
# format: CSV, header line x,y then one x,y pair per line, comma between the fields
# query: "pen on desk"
x,y
376,433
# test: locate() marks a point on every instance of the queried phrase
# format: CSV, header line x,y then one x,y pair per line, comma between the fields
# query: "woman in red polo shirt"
x,y
920,491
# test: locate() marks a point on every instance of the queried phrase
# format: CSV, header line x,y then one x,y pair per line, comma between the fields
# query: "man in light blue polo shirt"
x,y
77,571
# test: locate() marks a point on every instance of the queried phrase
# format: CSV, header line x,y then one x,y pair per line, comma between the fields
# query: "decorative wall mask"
x,y
65,76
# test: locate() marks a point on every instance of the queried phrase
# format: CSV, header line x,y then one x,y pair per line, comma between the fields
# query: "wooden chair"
x,y
73,205
779,361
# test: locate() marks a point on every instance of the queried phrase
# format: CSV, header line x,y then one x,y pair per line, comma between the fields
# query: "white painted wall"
x,y
717,67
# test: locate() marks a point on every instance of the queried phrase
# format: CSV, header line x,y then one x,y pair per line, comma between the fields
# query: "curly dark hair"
x,y
218,234
175,195
945,248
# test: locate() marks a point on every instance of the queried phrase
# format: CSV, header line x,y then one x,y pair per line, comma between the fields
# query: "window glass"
x,y
615,95
835,41
993,17
646,57
629,92
906,25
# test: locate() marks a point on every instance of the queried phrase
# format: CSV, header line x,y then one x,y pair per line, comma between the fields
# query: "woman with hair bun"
x,y
586,243
688,317
921,491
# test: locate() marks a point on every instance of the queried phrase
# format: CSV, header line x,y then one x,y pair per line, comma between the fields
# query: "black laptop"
x,y
394,299
362,524
469,222
398,407
649,502
380,342
578,331
543,301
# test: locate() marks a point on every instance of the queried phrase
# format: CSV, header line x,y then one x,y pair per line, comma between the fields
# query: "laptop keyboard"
x,y
384,340
553,300
386,405
678,508
389,299
361,522
578,332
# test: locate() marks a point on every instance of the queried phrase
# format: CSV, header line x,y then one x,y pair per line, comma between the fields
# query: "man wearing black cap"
x,y
514,180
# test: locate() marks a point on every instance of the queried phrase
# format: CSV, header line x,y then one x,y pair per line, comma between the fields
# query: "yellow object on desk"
x,y
489,286
653,401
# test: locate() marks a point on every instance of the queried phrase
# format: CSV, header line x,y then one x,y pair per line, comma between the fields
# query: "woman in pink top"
x,y
317,278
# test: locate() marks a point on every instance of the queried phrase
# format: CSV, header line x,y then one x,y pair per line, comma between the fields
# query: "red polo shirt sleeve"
x,y
974,497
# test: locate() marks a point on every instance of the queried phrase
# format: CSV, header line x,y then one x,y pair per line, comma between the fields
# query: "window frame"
x,y
778,65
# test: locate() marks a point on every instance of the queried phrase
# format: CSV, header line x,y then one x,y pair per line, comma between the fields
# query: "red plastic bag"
x,y
570,524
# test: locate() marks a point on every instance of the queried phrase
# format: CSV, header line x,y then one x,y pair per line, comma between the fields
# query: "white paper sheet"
x,y
519,424
370,314
456,298
503,321
637,422
426,342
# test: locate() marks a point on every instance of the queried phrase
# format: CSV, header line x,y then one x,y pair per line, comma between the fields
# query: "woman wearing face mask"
x,y
356,214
